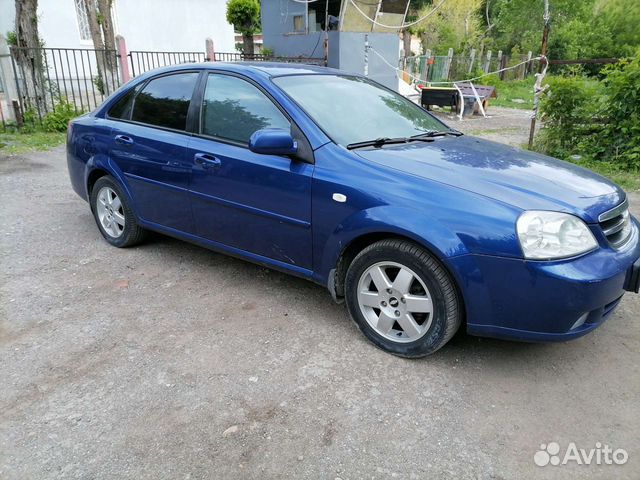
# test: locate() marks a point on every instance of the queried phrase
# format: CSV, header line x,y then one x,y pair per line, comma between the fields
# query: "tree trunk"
x,y
103,37
29,55
247,45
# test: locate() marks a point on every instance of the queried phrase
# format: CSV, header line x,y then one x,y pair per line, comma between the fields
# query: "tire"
x,y
402,299
113,215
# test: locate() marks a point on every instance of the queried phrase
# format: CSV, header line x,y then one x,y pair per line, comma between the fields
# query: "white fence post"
x,y
472,58
447,66
488,64
527,66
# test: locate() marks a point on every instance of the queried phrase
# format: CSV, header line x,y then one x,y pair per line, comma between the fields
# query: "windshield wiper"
x,y
379,142
437,133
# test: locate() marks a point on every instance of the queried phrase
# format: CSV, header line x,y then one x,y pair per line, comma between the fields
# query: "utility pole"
x,y
543,63
325,42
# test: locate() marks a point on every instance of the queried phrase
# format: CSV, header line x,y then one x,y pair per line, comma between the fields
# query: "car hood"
x,y
523,179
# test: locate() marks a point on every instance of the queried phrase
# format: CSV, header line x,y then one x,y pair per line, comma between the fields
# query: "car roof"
x,y
265,69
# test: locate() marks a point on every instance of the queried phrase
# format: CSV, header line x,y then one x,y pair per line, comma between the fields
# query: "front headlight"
x,y
551,235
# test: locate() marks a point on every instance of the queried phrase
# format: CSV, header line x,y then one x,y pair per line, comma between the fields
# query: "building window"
x,y
298,23
83,20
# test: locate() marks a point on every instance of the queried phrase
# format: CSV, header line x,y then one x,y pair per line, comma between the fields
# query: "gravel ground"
x,y
504,125
170,361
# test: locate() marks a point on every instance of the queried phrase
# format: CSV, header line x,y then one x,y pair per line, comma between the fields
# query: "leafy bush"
x,y
597,120
622,132
30,120
12,39
567,111
58,119
99,83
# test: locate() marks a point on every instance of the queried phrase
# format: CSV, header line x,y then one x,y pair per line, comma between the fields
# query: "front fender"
x,y
386,219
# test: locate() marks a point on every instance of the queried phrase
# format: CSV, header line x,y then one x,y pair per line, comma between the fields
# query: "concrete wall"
x,y
278,31
350,52
166,25
296,45
346,49
277,17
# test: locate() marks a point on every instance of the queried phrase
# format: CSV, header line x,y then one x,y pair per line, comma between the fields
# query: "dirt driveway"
x,y
170,361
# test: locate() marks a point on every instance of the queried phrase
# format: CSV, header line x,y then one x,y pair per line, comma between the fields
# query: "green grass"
x,y
17,143
508,91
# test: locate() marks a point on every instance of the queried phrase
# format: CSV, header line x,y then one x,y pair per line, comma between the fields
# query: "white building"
x,y
155,25
146,25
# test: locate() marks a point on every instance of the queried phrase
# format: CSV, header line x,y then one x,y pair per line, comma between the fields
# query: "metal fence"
x,y
83,78
450,68
46,76
257,57
141,61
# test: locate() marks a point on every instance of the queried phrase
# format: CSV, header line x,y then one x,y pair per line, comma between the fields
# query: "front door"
x,y
150,148
259,204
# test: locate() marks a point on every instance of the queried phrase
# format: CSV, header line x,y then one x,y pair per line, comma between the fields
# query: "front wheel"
x,y
402,298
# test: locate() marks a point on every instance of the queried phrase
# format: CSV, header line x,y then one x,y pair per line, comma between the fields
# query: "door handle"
x,y
206,160
123,140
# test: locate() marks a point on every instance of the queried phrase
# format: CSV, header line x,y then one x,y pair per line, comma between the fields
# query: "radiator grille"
x,y
616,225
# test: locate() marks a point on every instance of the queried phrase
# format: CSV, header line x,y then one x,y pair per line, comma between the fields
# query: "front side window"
x,y
354,109
233,109
164,101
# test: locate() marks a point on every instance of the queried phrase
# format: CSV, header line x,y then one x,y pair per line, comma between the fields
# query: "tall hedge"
x,y
596,119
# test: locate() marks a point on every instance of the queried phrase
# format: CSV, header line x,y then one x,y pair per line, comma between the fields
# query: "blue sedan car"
x,y
333,178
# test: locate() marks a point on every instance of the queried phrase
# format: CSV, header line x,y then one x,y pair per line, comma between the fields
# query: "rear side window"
x,y
165,101
233,109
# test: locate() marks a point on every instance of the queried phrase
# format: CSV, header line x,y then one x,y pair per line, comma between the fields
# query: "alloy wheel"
x,y
395,302
110,212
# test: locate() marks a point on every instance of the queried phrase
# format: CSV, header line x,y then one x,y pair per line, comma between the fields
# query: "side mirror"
x,y
273,141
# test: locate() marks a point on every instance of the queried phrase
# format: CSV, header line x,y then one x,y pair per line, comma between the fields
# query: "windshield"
x,y
354,109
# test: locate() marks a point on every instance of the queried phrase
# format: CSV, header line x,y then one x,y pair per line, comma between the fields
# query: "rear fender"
x,y
105,163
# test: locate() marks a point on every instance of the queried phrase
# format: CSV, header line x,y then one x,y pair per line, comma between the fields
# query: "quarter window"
x,y
122,108
233,109
164,101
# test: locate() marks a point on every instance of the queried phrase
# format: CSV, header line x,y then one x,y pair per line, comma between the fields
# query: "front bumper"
x,y
545,301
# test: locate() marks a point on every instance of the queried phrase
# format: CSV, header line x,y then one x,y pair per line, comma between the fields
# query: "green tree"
x,y
244,15
579,29
622,19
454,25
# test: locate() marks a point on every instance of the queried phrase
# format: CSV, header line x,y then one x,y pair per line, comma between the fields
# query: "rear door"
x,y
149,145
257,203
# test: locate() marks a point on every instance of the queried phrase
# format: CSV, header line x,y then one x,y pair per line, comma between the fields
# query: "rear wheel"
x,y
402,298
113,214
